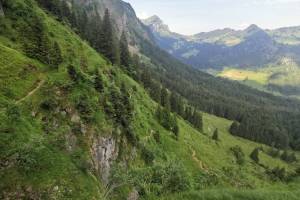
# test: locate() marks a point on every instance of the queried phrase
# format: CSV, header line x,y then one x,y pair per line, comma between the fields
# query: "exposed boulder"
x,y
104,151
133,195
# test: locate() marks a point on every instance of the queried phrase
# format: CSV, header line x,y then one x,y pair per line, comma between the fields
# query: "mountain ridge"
x,y
251,47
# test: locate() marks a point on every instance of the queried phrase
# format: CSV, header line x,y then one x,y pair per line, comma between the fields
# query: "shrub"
x,y
49,104
156,137
147,156
239,154
289,158
273,152
277,173
255,155
176,178
216,135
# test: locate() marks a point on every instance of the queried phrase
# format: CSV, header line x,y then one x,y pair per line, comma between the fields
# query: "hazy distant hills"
x,y
249,48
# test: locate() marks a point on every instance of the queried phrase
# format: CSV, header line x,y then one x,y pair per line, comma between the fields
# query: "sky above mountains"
x,y
194,16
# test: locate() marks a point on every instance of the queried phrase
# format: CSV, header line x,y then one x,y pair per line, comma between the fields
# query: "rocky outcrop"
x,y
133,195
104,151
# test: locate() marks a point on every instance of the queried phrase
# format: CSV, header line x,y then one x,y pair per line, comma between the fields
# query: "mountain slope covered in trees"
x,y
98,123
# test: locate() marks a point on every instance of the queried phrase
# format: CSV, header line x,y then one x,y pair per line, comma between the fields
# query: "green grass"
x,y
242,75
284,75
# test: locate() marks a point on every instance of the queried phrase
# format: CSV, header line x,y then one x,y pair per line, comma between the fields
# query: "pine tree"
x,y
234,128
65,11
146,79
175,127
255,155
55,56
73,17
73,73
124,52
174,102
155,91
198,121
284,156
107,47
94,31
216,135
83,22
165,101
99,83
188,115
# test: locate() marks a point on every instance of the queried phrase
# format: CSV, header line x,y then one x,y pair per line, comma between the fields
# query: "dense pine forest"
x,y
92,108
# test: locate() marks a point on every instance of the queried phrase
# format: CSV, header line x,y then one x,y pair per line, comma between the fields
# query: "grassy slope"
x,y
241,75
56,167
284,75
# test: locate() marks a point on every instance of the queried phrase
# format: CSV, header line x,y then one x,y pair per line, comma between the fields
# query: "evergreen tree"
x,y
255,155
284,156
155,91
165,101
73,73
198,121
188,114
174,102
124,52
107,47
94,31
65,11
167,120
239,154
73,17
289,158
146,79
55,56
216,135
234,128
83,22
175,127
99,83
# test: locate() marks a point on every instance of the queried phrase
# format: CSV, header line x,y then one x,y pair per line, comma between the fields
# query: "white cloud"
x,y
271,2
143,15
242,26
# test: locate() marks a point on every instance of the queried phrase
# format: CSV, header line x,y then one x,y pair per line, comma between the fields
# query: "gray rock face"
x,y
134,195
104,152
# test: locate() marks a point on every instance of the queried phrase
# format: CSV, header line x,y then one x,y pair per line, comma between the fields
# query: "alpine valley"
x,y
264,59
96,104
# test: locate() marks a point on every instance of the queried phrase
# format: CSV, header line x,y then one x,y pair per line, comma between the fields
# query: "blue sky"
x,y
194,16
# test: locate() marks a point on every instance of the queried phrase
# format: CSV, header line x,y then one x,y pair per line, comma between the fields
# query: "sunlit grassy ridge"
x,y
242,75
281,78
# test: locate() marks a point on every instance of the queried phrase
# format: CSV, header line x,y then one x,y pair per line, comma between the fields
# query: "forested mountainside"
x,y
84,115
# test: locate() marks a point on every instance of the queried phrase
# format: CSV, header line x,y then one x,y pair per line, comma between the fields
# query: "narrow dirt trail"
x,y
201,165
31,92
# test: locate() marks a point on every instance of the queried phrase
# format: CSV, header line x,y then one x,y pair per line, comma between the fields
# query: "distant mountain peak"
x,y
253,28
153,20
157,25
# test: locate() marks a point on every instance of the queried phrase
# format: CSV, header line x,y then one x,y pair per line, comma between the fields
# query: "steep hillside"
x,y
74,126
